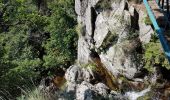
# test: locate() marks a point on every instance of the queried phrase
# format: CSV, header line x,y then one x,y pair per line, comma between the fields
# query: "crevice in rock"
x,y
142,74
83,32
93,20
134,20
139,49
126,6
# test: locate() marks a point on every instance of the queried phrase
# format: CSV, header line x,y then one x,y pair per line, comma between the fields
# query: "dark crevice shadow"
x,y
135,23
93,21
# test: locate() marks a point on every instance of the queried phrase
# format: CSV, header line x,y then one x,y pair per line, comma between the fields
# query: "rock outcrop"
x,y
113,30
79,84
79,88
111,35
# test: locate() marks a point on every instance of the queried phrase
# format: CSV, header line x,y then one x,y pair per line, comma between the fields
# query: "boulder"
x,y
74,74
121,59
102,89
85,91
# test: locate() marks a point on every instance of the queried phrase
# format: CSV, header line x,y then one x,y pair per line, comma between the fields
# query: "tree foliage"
x,y
35,36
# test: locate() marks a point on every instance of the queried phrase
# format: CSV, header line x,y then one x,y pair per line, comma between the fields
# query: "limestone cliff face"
x,y
112,31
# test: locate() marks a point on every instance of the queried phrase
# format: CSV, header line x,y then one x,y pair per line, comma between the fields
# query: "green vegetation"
x,y
147,21
92,66
132,35
36,36
35,95
103,4
38,94
110,40
80,29
154,55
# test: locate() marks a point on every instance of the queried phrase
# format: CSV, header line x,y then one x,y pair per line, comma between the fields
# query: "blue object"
x,y
159,31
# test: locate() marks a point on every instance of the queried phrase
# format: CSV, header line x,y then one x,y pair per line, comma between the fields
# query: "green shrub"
x,y
154,55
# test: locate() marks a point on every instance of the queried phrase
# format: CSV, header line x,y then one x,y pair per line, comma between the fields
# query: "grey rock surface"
x,y
145,31
74,74
102,89
88,75
116,34
85,91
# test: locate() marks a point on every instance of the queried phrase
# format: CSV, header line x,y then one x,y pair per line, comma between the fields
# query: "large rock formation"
x,y
110,36
110,54
80,87
113,31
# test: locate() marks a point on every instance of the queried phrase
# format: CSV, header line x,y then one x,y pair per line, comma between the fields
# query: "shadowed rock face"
x,y
114,32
